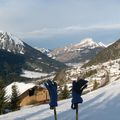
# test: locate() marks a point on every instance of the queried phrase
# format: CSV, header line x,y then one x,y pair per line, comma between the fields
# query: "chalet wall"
x,y
40,96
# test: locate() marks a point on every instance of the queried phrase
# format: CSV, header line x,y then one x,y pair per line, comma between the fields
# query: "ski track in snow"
x,y
102,104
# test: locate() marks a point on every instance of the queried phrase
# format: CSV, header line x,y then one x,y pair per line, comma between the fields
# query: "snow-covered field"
x,y
32,74
102,104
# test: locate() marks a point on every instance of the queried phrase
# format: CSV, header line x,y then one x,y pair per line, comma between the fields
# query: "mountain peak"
x,y
87,40
11,37
11,43
76,53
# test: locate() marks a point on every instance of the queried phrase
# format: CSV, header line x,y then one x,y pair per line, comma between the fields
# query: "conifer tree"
x,y
14,98
64,93
95,85
2,97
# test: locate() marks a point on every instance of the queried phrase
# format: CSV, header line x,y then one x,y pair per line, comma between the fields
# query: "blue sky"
x,y
55,23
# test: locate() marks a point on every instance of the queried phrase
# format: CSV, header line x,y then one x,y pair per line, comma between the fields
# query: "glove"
x,y
77,88
76,96
52,88
80,86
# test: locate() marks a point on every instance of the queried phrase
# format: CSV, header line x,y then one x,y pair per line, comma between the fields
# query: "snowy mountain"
x,y
88,42
16,55
76,53
101,104
112,52
11,43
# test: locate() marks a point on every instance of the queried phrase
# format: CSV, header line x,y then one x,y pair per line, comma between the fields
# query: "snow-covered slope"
x,y
102,104
102,44
11,43
76,53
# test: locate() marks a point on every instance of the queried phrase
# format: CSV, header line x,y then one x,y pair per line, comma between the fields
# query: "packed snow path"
x,y
102,104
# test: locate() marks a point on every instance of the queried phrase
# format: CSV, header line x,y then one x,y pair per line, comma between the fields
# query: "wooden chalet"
x,y
34,95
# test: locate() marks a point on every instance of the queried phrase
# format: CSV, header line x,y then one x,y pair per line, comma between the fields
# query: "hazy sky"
x,y
54,23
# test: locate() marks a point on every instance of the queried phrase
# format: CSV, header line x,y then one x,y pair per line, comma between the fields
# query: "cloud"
x,y
51,19
50,32
38,15
107,26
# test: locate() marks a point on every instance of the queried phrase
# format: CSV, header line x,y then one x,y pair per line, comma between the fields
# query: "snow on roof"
x,y
21,86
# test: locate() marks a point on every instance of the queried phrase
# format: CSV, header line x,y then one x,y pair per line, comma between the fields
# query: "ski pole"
x,y
55,113
77,112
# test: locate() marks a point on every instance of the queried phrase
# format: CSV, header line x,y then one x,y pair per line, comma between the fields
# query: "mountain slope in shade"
x,y
102,104
81,52
39,61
